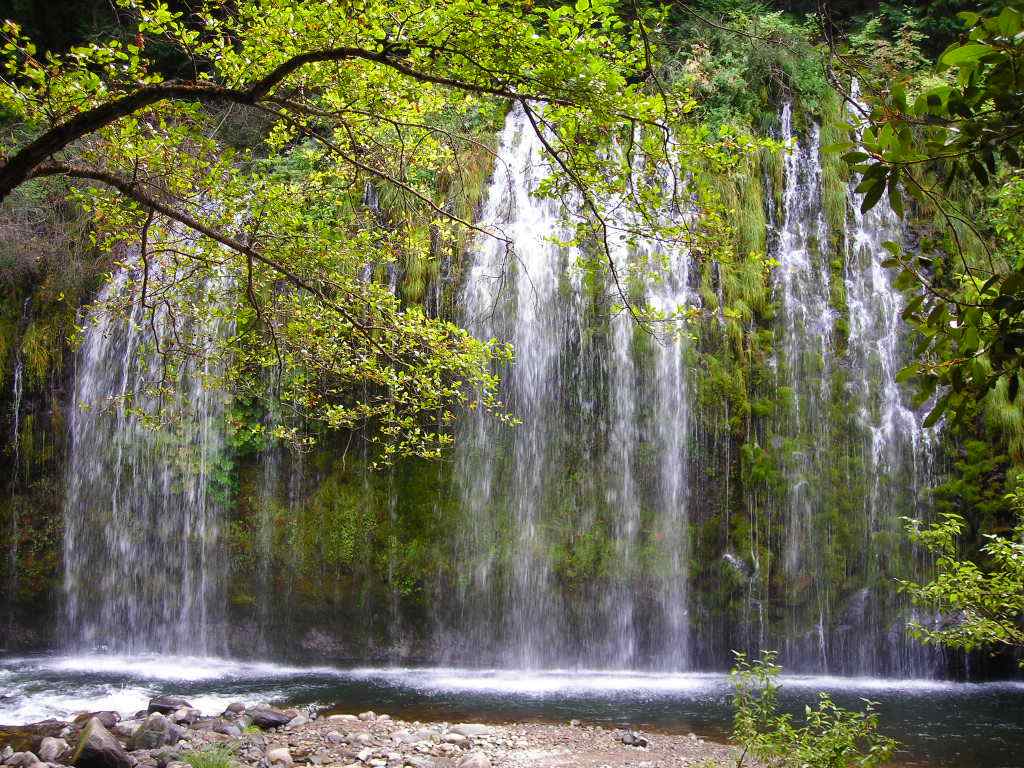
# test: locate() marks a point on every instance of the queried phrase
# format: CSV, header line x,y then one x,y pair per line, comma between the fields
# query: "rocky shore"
x,y
173,734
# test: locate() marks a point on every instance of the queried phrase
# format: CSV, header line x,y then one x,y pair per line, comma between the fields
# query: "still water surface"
x,y
952,725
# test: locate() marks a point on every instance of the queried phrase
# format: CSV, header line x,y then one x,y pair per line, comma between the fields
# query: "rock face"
x,y
97,748
156,731
51,749
167,705
268,717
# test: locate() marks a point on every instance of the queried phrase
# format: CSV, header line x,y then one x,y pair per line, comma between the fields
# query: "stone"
x,y
367,716
475,759
126,728
574,723
186,715
343,718
280,756
156,731
471,730
6,753
51,749
415,761
298,720
109,719
364,755
333,737
97,748
235,708
634,739
454,738
24,760
167,705
362,738
268,717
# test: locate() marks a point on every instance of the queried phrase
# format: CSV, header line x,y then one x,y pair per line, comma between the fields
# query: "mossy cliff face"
x,y
326,557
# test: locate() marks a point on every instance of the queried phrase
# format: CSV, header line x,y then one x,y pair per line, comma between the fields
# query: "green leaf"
x,y
965,54
872,196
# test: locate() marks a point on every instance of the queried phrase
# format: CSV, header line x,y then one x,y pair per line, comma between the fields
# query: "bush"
x,y
831,737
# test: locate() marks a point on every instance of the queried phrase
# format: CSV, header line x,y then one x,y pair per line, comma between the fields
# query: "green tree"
x,y
344,94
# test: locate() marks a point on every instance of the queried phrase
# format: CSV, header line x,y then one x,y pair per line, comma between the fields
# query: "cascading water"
x,y
599,447
142,551
847,434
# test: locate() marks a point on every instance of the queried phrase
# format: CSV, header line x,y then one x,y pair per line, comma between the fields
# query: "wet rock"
x,y
155,732
51,749
268,717
97,748
475,759
280,756
634,739
472,730
167,705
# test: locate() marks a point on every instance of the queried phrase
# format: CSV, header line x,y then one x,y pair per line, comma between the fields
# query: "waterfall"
x,y
143,555
855,454
598,448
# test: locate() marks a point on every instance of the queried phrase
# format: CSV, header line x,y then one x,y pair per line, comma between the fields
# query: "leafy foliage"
x,y
831,737
981,603
968,127
346,97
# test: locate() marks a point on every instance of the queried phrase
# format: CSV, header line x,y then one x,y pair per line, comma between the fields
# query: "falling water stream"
x,y
606,472
142,548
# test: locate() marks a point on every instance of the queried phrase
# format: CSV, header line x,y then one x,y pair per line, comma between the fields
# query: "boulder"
x,y
24,760
97,748
167,705
187,715
156,731
280,756
367,717
475,759
109,719
51,749
634,739
235,708
268,717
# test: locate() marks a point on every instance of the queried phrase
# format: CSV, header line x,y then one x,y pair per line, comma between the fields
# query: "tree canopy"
x,y
358,95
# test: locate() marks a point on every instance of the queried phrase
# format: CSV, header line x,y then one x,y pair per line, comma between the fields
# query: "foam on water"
x,y
36,688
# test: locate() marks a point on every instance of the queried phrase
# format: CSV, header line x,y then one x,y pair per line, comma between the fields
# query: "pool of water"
x,y
954,725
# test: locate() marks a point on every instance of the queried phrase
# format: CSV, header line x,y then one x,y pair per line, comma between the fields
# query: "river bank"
x,y
173,734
